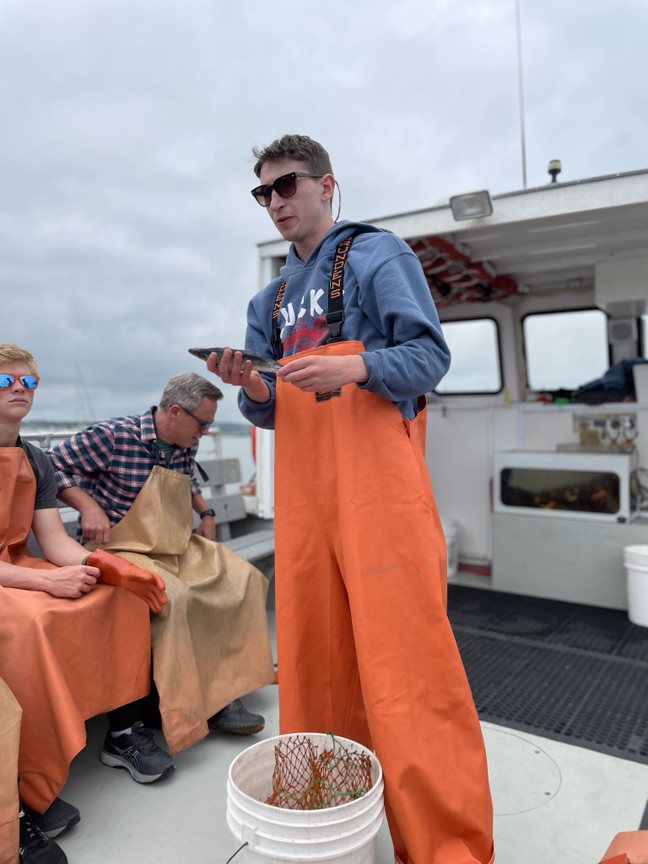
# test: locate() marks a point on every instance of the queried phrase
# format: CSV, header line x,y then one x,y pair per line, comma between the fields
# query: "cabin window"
x,y
476,366
565,350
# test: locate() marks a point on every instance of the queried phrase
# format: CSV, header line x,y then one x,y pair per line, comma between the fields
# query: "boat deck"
x,y
567,671
552,800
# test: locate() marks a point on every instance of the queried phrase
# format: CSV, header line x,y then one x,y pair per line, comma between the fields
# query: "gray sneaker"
x,y
138,753
235,719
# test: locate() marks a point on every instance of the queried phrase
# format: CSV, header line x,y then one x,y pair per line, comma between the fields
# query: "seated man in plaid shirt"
x,y
132,479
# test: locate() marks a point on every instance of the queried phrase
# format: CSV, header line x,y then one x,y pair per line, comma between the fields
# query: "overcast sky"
x,y
127,231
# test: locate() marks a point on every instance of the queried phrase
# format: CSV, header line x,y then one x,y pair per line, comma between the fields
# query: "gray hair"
x,y
188,390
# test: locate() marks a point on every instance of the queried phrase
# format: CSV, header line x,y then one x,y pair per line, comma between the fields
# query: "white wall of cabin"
x,y
464,432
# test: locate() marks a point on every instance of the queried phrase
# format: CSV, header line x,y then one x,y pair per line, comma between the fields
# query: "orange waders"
x,y
64,660
365,647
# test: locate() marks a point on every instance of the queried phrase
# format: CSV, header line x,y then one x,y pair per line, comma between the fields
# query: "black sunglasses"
x,y
285,187
205,425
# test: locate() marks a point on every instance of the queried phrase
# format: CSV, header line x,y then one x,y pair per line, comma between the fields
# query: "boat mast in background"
x,y
521,91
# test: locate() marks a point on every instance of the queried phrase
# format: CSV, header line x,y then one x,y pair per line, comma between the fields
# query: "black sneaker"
x,y
138,753
235,719
34,846
58,817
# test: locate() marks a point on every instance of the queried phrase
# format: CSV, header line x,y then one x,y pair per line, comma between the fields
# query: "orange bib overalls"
x,y
64,660
365,648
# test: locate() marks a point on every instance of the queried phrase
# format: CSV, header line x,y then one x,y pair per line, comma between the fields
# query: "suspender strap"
x,y
204,475
335,313
276,327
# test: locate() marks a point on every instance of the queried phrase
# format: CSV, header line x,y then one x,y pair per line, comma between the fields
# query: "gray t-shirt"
x,y
44,473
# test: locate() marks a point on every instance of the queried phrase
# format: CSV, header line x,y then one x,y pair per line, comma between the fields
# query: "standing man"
x,y
365,647
132,480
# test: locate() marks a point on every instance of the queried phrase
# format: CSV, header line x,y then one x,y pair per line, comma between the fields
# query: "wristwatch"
x,y
206,513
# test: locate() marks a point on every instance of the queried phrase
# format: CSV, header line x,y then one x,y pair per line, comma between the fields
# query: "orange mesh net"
x,y
306,779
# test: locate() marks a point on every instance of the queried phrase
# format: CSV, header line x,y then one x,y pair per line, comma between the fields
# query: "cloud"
x,y
127,232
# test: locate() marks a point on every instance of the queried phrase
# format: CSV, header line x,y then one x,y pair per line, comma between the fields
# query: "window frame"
x,y
565,311
500,364
642,329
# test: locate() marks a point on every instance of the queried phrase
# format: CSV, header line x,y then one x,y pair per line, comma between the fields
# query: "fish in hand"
x,y
261,364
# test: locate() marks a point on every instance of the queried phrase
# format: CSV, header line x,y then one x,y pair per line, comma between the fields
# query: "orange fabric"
x,y
64,660
10,712
124,574
365,648
634,844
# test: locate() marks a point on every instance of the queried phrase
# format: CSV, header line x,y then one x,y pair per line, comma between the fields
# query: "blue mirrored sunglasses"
x,y
29,382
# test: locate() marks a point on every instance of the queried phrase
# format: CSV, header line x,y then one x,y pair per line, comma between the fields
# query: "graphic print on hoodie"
x,y
307,328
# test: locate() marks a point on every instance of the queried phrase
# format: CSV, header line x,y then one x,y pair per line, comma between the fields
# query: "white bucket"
x,y
451,532
339,835
636,563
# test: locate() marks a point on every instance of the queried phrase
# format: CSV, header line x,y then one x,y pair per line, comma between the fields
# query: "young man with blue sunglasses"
x,y
57,685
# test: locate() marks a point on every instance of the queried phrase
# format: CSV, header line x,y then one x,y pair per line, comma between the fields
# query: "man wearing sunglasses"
x,y
133,481
54,651
365,646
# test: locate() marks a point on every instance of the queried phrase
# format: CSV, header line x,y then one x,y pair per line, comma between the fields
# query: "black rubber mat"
x,y
574,673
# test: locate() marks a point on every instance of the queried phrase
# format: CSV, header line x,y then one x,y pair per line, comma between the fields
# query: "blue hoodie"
x,y
387,306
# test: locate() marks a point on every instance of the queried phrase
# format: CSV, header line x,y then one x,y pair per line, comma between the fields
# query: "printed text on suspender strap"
x,y
335,312
276,327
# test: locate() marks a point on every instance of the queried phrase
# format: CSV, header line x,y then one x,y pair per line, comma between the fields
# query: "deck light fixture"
x,y
474,205
554,169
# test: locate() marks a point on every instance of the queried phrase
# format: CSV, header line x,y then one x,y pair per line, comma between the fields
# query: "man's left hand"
x,y
316,373
207,528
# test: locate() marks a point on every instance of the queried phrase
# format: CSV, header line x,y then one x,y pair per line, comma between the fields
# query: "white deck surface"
x,y
552,801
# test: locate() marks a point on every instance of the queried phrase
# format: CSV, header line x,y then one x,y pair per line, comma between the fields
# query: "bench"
x,y
256,546
230,509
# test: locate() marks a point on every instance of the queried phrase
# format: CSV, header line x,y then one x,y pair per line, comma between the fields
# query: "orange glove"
x,y
118,571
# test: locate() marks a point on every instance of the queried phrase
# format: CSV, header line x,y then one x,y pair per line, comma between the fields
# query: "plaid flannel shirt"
x,y
113,459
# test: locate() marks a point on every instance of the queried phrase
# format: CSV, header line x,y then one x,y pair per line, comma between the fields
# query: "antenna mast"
x,y
521,91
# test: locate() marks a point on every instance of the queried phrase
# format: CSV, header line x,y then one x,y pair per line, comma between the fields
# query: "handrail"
x,y
44,439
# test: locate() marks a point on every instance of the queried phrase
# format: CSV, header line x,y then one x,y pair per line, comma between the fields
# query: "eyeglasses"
x,y
29,382
285,187
205,425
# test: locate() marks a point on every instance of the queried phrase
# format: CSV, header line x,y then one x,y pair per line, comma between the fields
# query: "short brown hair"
x,y
299,147
10,353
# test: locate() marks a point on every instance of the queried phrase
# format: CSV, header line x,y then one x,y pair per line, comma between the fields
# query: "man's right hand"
x,y
95,525
232,370
70,582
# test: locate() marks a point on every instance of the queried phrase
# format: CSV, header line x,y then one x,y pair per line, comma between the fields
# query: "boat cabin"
x,y
539,292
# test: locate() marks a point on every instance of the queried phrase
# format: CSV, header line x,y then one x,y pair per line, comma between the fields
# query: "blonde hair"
x,y
10,353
